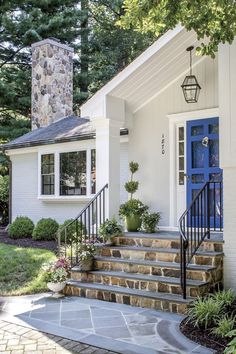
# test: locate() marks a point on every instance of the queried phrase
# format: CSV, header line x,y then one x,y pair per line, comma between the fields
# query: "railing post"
x,y
208,212
184,270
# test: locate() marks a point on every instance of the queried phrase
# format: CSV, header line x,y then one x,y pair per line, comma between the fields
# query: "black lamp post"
x,y
190,86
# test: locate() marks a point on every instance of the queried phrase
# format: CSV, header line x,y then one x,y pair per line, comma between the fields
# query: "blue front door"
x,y
203,162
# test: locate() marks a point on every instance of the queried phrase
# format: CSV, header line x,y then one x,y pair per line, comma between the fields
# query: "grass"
x,y
21,269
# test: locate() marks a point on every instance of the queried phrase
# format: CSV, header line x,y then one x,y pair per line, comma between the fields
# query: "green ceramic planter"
x,y
133,222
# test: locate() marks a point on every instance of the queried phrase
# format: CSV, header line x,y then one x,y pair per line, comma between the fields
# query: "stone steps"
x,y
159,254
135,271
169,269
165,240
134,297
142,282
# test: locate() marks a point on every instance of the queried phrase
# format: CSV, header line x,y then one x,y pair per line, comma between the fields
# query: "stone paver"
x,y
81,325
16,339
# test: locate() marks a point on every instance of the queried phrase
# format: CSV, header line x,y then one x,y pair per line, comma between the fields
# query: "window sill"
x,y
65,199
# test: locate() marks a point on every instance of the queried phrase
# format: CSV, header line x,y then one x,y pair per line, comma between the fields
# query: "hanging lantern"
x,y
190,86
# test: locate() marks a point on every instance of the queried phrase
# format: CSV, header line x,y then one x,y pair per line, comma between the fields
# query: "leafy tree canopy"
x,y
215,19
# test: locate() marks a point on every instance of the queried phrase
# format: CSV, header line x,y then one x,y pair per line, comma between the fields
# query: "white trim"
x,y
56,196
148,53
65,199
174,120
170,83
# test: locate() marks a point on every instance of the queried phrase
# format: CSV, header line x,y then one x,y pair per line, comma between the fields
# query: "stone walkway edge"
x,y
113,327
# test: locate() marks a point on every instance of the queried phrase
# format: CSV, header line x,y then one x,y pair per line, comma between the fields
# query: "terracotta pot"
x,y
133,222
110,241
56,288
86,265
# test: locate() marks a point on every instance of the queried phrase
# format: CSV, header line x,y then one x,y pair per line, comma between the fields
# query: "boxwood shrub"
x,y
21,227
45,230
71,230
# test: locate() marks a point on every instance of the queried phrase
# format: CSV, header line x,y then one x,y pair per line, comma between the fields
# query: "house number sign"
x,y
163,144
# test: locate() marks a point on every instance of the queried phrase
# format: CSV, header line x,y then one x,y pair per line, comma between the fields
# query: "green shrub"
x,y
150,221
224,325
4,188
231,349
71,230
110,228
225,297
132,207
21,227
204,312
45,230
132,186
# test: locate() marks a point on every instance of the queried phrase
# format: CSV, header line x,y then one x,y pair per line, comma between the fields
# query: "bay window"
x,y
65,174
73,179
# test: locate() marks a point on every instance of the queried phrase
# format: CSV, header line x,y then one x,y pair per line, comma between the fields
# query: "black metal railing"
x,y
84,228
204,214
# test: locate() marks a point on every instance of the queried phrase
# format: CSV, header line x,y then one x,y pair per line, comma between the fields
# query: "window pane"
x,y
47,174
197,130
214,153
73,173
197,154
181,149
93,171
181,133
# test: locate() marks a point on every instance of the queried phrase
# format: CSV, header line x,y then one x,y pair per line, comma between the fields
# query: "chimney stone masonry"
x,y
52,82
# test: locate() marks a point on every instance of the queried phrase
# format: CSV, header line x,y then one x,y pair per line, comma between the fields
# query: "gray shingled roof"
x,y
67,129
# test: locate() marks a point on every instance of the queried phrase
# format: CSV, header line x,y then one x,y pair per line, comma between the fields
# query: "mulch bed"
x,y
204,337
27,242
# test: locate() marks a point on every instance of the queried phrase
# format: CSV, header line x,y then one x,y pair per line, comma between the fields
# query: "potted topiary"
x,y
86,252
133,209
109,230
57,274
150,222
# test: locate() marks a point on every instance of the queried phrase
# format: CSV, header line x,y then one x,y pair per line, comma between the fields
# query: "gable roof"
x,y
67,129
152,72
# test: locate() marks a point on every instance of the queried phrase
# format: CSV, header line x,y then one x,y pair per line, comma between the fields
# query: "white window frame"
x,y
57,150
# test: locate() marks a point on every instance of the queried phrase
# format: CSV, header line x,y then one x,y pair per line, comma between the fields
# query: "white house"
x,y
140,115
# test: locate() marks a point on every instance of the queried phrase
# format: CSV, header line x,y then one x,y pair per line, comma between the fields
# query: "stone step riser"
x,y
159,243
154,286
139,301
158,256
160,271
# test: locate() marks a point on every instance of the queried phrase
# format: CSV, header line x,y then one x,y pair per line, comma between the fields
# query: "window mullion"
x,y
57,174
88,172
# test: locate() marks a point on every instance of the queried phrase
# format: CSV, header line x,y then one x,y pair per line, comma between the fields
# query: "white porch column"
x,y
227,106
108,161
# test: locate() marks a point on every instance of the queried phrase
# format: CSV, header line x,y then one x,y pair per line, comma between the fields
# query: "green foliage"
x,y
204,312
21,227
213,19
86,251
150,221
133,166
58,271
231,349
131,187
4,188
132,207
69,228
224,325
225,297
110,228
45,229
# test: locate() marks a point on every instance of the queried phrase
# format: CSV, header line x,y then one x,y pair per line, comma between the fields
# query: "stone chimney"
x,y
52,82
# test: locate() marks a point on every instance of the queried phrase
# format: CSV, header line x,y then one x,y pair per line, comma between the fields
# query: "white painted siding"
x,y
150,122
25,188
124,171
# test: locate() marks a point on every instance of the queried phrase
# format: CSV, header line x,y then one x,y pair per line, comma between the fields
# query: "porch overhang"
x,y
146,77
